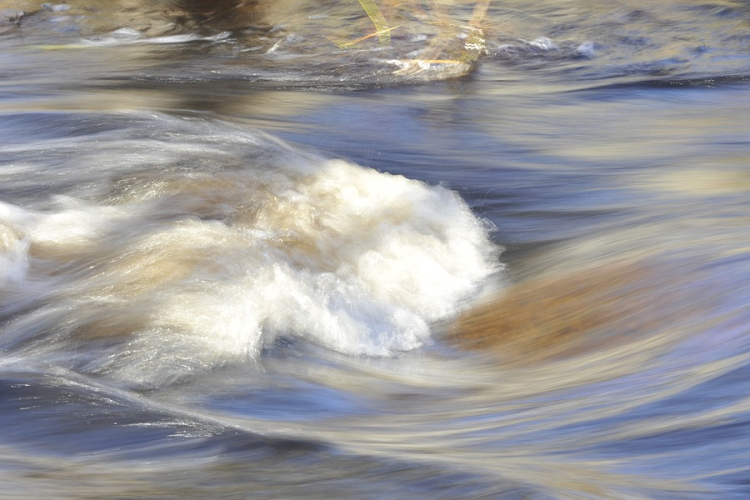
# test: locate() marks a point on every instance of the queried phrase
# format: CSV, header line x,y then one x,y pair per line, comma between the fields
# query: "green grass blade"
x,y
381,25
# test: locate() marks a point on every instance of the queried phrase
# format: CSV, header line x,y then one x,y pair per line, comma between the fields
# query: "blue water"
x,y
192,303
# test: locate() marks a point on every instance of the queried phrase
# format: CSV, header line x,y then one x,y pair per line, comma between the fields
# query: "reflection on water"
x,y
531,282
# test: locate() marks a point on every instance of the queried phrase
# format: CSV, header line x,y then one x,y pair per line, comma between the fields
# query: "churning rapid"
x,y
435,250
196,243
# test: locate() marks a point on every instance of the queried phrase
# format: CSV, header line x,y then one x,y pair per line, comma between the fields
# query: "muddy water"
x,y
239,261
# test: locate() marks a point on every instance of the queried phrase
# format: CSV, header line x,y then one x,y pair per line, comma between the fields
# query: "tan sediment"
x,y
567,314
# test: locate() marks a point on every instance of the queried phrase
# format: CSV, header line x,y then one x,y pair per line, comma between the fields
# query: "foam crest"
x,y
13,255
197,268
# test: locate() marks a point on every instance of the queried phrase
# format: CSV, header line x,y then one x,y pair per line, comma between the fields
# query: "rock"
x,y
152,18
566,314
216,14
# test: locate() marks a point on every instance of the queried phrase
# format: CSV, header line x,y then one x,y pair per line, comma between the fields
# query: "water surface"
x,y
239,261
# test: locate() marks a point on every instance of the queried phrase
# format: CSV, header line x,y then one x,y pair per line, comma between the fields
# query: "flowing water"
x,y
505,255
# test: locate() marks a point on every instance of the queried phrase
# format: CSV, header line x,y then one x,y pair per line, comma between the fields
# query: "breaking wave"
x,y
198,246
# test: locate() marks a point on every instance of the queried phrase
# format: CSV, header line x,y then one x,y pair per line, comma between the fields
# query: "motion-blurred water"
x,y
232,259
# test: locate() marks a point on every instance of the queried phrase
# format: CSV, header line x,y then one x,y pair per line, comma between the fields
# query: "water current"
x,y
504,254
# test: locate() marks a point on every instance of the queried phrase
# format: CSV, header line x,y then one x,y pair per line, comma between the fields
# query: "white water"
x,y
189,267
168,313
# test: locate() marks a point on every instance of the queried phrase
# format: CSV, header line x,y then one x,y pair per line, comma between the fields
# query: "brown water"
x,y
242,262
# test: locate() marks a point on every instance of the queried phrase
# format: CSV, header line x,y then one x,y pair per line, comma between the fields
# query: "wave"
x,y
212,259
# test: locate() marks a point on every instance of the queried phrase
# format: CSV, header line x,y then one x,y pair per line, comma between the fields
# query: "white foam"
x,y
543,43
586,49
200,268
129,36
14,247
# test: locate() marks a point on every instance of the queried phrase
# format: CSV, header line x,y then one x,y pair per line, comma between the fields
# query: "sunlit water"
x,y
249,264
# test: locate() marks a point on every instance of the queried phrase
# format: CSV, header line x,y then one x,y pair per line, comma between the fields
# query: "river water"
x,y
238,261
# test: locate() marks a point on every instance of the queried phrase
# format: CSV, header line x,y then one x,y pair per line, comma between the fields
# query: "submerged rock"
x,y
565,314
151,18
